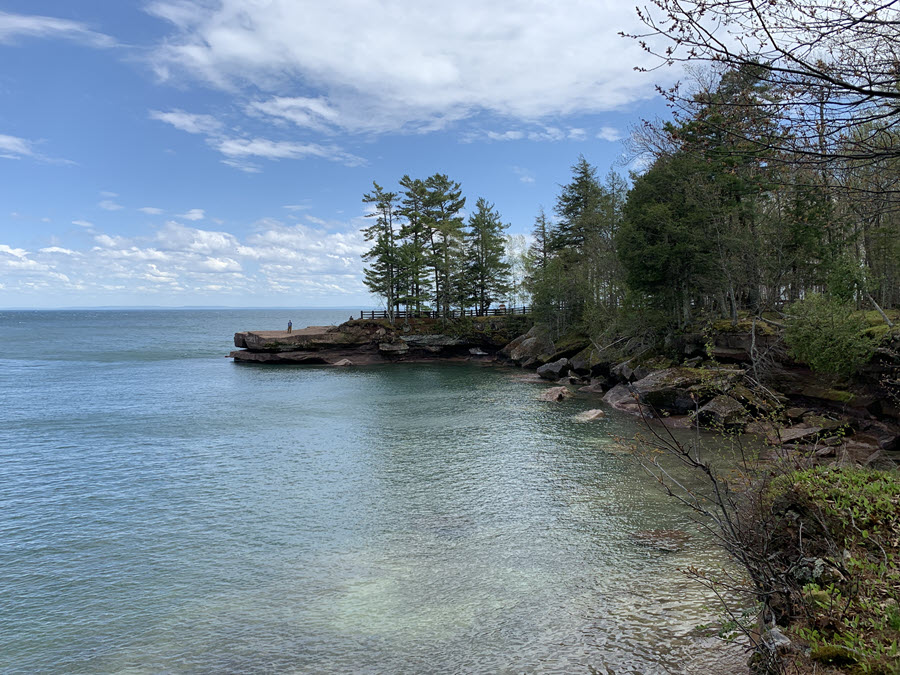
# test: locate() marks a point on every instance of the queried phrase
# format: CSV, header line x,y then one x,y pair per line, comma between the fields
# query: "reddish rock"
x,y
555,394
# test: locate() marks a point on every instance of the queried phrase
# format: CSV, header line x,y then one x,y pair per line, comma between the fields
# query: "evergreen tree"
x,y
578,208
443,204
416,242
381,275
488,271
540,247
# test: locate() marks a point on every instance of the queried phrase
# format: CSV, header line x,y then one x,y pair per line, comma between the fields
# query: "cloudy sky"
x,y
215,152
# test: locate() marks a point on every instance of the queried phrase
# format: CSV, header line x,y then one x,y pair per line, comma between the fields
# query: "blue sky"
x,y
215,152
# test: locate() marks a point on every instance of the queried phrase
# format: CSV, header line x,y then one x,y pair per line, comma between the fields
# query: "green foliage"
x,y
576,277
487,269
828,335
851,519
381,276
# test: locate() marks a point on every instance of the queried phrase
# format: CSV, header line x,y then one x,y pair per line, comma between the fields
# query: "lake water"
x,y
165,510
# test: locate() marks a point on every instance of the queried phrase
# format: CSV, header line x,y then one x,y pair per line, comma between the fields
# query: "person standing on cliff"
x,y
290,325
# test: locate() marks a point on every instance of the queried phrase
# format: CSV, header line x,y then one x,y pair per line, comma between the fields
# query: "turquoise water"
x,y
163,509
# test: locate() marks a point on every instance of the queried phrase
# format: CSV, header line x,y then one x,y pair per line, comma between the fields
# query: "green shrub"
x,y
828,335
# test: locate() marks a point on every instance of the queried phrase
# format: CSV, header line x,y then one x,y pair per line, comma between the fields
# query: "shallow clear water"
x,y
163,509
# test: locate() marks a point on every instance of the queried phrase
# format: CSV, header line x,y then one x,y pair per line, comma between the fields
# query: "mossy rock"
x,y
589,360
752,400
833,655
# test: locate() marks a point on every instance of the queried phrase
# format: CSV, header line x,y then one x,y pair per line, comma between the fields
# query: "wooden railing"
x,y
454,313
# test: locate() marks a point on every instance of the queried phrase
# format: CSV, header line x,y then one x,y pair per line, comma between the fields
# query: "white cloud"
x,y
524,175
312,113
176,237
261,147
194,214
238,149
82,223
577,134
319,260
109,205
506,135
15,252
403,66
13,26
109,242
535,133
610,134
12,147
189,122
150,210
241,165
59,250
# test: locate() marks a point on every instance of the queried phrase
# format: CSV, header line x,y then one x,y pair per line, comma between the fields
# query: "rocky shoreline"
x,y
364,342
797,413
715,385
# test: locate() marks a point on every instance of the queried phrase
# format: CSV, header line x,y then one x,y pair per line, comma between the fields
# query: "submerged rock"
x,y
555,394
670,541
590,415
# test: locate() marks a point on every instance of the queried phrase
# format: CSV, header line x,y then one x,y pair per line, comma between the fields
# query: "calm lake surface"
x,y
163,509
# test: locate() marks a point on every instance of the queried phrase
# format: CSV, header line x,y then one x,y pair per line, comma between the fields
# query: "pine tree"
x,y
443,204
416,239
540,247
578,208
488,271
381,276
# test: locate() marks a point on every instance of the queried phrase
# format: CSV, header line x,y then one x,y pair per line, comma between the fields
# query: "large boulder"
x,y
555,370
628,371
619,394
621,397
669,389
598,385
722,412
589,362
529,351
